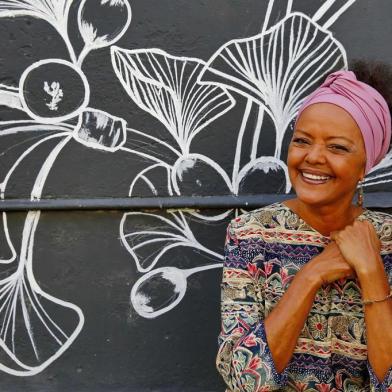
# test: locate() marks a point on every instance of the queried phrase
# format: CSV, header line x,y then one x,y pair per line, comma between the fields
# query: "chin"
x,y
312,200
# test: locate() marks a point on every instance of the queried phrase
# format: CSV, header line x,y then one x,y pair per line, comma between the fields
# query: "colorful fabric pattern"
x,y
264,250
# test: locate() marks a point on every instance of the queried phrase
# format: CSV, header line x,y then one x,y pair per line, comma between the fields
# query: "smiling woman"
x,y
306,283
326,158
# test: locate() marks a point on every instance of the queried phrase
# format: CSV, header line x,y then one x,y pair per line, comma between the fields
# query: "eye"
x,y
300,140
339,148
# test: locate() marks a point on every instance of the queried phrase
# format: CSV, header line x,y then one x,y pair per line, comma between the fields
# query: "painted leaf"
x,y
35,326
148,237
277,68
53,11
166,87
157,236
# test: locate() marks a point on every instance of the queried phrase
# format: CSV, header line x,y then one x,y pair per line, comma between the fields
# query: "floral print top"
x,y
264,250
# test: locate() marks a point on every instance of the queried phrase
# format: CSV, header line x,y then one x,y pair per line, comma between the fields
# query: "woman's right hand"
x,y
329,266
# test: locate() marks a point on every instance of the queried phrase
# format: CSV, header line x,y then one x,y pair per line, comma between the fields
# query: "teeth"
x,y
314,177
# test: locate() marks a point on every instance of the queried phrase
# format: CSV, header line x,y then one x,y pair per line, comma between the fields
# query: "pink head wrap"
x,y
365,105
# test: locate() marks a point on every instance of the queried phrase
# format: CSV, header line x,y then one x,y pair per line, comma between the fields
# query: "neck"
x,y
328,218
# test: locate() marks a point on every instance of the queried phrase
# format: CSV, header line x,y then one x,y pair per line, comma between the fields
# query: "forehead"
x,y
329,120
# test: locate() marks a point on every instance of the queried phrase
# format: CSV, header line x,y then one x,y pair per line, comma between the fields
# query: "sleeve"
x,y
386,384
376,385
244,359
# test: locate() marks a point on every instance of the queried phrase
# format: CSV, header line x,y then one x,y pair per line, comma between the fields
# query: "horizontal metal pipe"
x,y
376,200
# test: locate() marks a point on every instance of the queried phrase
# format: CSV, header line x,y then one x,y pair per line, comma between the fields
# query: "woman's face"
x,y
326,156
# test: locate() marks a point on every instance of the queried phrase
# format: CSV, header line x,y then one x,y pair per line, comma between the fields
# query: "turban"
x,y
365,105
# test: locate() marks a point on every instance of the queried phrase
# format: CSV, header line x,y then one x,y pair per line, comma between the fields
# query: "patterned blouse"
x,y
264,250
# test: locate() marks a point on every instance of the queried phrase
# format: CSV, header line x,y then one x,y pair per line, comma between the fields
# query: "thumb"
x,y
333,235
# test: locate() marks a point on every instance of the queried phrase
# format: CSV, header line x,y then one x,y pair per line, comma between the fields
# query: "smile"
x,y
314,178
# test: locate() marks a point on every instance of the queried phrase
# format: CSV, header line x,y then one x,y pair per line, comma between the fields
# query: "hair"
x,y
377,75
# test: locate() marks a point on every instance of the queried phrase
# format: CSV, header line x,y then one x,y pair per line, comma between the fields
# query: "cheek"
x,y
351,169
294,157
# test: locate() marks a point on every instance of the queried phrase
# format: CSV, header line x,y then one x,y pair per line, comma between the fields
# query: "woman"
x,y
306,298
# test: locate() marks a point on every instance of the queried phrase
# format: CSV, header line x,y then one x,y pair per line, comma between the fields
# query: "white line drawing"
x,y
53,120
273,70
90,32
9,96
20,295
55,12
326,7
277,68
176,277
55,92
167,233
22,302
21,298
100,130
166,87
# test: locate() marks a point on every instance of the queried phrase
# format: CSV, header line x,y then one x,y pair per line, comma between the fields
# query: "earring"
x,y
360,194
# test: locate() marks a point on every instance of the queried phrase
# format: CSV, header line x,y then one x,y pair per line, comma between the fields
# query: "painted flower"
x,y
318,326
352,295
253,270
285,276
322,387
254,363
238,331
250,340
300,386
267,268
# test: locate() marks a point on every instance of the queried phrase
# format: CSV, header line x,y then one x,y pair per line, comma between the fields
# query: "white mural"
x,y
273,70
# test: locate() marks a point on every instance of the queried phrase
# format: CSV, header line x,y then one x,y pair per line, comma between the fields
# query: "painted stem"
x,y
46,167
149,157
323,10
237,157
256,135
155,140
337,14
83,54
63,31
191,271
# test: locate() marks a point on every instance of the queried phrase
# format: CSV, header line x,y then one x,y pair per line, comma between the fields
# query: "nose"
x,y
315,154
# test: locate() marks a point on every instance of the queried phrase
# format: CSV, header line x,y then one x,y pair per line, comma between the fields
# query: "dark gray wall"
x,y
79,254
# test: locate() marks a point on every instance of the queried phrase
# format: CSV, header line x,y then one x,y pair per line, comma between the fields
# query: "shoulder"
x,y
382,223
268,217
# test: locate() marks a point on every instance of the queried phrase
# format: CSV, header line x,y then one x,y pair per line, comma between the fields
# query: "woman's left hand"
x,y
360,246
